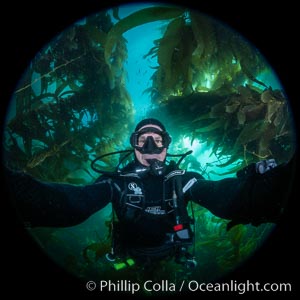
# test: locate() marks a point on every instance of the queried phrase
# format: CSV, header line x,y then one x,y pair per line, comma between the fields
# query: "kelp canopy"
x,y
72,103
208,82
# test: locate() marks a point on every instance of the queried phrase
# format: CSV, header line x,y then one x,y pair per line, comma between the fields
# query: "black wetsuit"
x,y
143,203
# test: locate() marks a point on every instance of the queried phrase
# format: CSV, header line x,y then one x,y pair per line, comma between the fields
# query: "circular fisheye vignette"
x,y
81,98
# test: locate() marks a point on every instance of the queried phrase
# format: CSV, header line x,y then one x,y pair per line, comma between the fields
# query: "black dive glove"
x,y
265,190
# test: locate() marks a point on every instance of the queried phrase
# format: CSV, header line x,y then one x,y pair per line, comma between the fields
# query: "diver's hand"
x,y
266,165
260,167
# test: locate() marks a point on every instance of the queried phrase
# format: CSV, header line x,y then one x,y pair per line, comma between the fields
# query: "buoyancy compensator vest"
x,y
150,218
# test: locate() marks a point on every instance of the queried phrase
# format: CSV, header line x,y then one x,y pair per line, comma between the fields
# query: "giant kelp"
x,y
202,55
69,105
207,85
140,17
243,126
202,68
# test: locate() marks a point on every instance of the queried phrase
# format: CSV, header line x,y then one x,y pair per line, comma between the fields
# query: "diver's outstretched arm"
x,y
253,198
54,204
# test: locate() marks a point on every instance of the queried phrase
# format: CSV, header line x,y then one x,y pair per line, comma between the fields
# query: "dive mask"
x,y
149,145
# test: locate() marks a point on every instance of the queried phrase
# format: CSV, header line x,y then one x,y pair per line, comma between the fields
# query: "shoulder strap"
x,y
181,207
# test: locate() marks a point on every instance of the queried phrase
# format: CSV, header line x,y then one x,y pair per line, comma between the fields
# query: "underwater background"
x,y
228,106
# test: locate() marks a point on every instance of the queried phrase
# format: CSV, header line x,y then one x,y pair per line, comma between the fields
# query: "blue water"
x,y
140,41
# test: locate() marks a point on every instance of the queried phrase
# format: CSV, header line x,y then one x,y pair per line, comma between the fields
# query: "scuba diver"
x,y
150,198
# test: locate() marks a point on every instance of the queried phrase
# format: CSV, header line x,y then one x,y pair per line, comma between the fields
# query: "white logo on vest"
x,y
134,187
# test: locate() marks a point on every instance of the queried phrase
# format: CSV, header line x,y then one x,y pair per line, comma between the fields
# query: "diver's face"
x,y
142,157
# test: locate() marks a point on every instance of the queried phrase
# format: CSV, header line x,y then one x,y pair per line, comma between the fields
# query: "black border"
x,y
31,25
